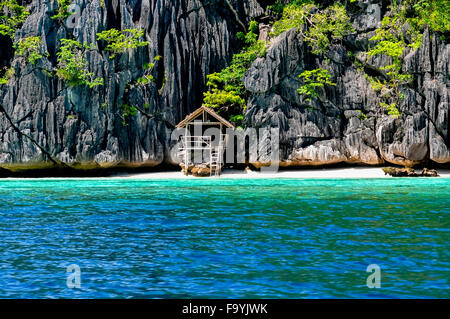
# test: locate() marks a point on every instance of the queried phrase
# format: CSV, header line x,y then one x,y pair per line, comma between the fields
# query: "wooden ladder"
x,y
215,163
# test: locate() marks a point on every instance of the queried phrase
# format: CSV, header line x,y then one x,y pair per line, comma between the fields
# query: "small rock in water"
x,y
429,173
409,172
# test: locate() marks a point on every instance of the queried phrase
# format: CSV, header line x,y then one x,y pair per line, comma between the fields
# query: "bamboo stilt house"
x,y
204,142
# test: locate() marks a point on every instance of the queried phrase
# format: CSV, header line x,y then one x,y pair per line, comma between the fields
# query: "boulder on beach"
x,y
409,172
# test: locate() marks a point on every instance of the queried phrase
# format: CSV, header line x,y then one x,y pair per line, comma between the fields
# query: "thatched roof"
x,y
199,112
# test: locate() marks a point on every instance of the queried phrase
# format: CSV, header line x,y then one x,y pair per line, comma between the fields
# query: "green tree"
x,y
63,10
389,41
317,27
73,66
127,112
434,14
227,93
30,48
147,77
120,41
8,73
313,80
12,15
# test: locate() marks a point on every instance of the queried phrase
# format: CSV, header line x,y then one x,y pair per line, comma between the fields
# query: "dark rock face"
x,y
78,124
347,124
195,38
409,172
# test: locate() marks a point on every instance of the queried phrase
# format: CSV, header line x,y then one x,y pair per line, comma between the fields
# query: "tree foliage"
x,y
63,10
318,27
73,65
279,6
147,77
120,41
227,92
434,14
127,112
12,15
391,109
8,73
30,48
313,80
390,41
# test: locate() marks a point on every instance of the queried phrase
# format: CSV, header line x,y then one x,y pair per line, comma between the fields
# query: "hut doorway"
x,y
203,143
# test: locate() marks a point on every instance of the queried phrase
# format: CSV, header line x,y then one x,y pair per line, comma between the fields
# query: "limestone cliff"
x,y
345,124
44,120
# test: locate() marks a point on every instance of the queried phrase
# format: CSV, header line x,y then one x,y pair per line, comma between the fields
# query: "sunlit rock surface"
x,y
198,37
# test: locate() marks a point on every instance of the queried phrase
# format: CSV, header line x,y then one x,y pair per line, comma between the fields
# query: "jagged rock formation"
x,y
346,124
196,38
409,172
193,37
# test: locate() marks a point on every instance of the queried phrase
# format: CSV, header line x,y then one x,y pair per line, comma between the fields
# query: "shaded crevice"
x,y
21,134
113,15
137,10
6,53
236,15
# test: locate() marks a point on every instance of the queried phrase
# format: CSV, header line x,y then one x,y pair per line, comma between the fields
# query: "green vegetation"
x,y
279,6
120,41
293,16
313,80
62,13
391,41
148,69
12,15
318,27
30,48
320,24
73,66
8,73
361,115
391,109
127,112
227,93
432,13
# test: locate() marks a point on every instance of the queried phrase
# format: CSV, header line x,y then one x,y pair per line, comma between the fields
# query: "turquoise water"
x,y
219,238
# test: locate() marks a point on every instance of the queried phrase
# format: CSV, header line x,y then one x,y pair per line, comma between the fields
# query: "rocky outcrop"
x,y
50,121
346,124
78,124
409,172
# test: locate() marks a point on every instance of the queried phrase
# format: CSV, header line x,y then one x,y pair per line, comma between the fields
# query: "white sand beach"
x,y
354,172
